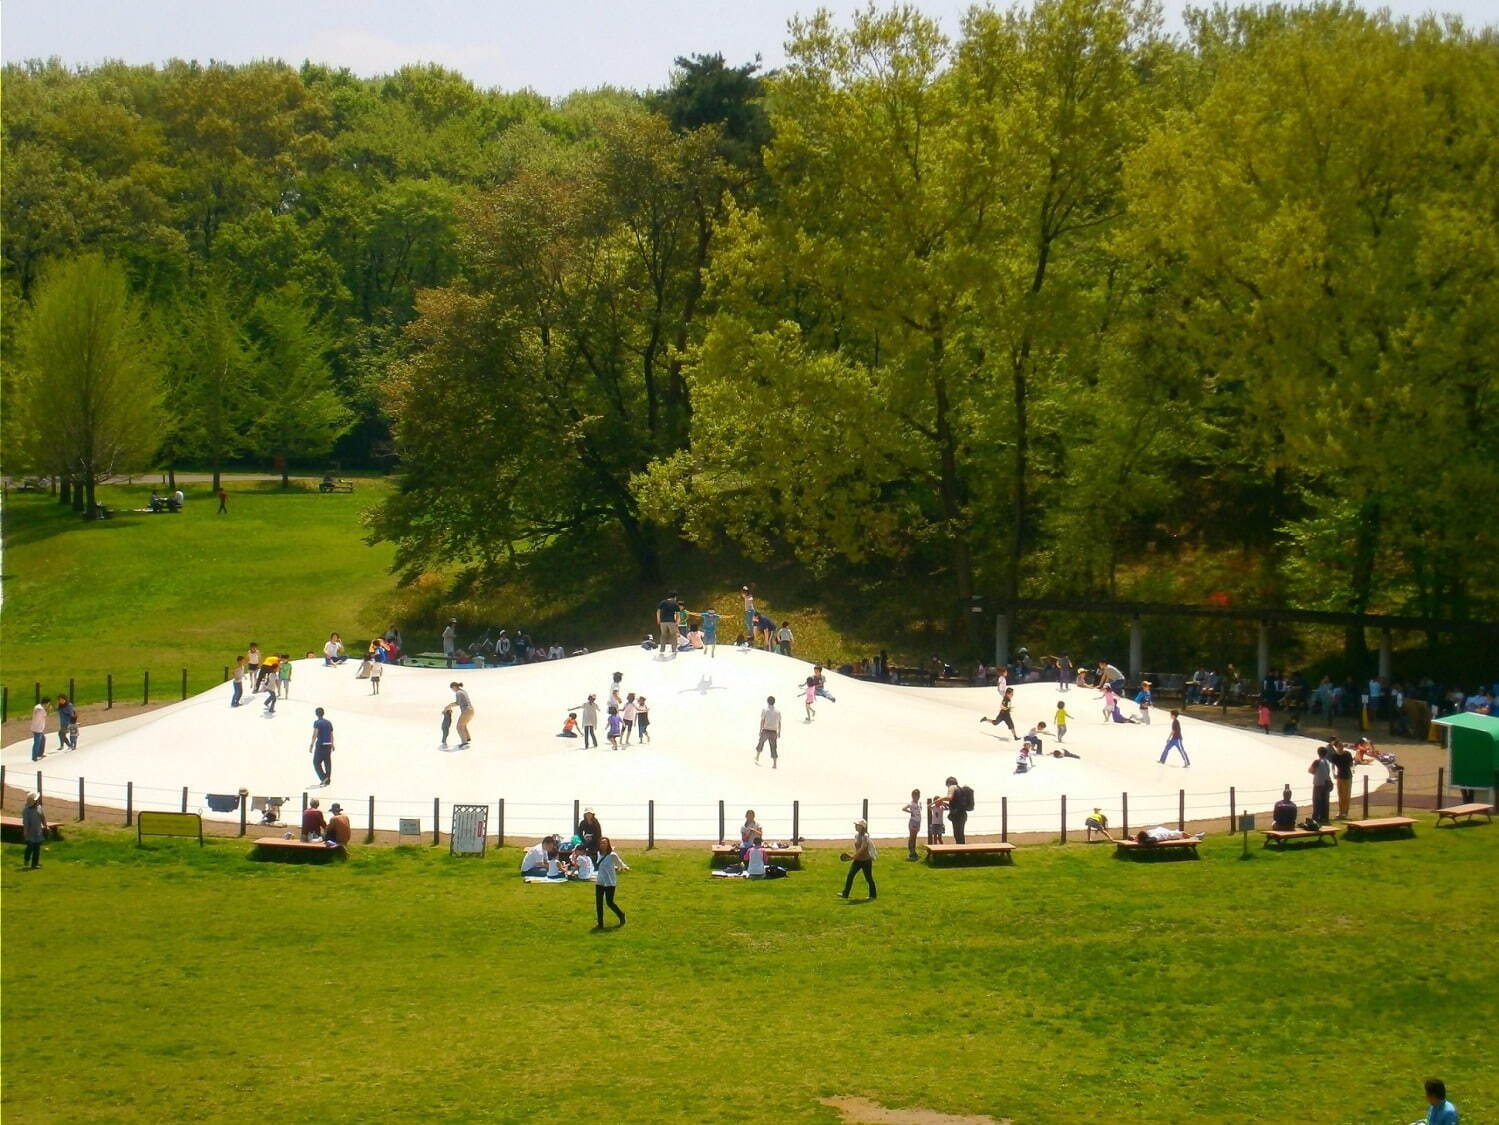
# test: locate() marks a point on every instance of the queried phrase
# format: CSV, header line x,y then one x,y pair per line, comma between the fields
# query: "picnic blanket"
x,y
554,882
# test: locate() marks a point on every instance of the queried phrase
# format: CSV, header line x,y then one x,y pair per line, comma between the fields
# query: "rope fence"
x,y
1060,818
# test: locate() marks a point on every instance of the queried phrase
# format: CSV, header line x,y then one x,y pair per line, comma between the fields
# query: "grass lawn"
x,y
167,592
169,983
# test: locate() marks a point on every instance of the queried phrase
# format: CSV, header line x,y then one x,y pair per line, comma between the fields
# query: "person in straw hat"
x,y
862,859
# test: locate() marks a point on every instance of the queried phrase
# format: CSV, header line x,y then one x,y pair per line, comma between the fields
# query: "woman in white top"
x,y
606,878
465,708
333,651
749,830
862,859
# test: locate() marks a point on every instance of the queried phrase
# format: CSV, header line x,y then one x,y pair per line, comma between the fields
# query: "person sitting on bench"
x,y
338,830
313,823
1283,816
1160,834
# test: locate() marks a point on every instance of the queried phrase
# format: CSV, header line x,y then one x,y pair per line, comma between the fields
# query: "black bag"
x,y
1310,825
965,798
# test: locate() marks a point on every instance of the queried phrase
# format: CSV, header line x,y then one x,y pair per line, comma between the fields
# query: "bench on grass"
x,y
1467,812
186,824
1383,824
1279,836
792,855
280,850
341,484
13,831
1003,851
1134,847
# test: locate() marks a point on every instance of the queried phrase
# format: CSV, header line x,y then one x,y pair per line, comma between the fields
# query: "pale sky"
x,y
553,47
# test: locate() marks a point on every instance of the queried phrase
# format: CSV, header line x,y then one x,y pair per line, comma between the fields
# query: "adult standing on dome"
x,y
465,709
667,623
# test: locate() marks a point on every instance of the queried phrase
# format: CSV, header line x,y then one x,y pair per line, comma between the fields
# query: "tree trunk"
x,y
63,490
285,475
171,478
88,485
953,496
217,482
78,497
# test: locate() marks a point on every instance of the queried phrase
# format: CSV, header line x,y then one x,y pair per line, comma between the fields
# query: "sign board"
x,y
470,829
411,826
1246,822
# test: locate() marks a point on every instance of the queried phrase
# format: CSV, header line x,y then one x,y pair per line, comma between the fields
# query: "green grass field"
x,y
167,592
169,983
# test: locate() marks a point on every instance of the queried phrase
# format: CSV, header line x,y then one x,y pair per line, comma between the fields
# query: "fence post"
x,y
864,812
369,835
796,822
38,693
1181,809
720,821
436,822
184,683
184,798
226,673
1064,818
1366,796
1441,784
1399,792
129,803
244,814
39,783
304,800
4,704
1124,813
500,843
1004,820
650,825
2,783
109,691
1232,808
146,688
80,793
576,818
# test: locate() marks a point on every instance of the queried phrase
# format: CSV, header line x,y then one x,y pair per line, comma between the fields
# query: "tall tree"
x,y
212,382
91,384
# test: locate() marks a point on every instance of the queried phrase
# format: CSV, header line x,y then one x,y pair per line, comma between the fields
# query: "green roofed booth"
x,y
1472,749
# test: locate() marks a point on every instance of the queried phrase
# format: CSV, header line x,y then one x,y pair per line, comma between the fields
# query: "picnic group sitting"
x,y
555,860
172,503
751,863
332,830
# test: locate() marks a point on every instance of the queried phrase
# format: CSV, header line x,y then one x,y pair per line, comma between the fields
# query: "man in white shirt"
x,y
770,730
39,730
534,862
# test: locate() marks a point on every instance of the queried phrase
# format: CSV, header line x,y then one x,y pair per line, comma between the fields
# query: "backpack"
x,y
965,798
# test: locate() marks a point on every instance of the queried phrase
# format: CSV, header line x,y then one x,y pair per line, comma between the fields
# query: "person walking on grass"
x,y
913,824
1175,741
606,878
861,859
34,829
770,730
223,502
39,729
322,748
465,708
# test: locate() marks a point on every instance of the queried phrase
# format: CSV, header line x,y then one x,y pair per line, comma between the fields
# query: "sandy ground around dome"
x,y
876,741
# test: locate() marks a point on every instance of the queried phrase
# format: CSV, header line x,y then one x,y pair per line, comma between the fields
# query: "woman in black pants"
x,y
606,878
862,859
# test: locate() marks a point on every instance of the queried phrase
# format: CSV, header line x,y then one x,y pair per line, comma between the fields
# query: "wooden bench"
x,y
186,824
13,831
792,855
342,484
280,850
1383,824
1004,851
1279,836
1134,847
1467,812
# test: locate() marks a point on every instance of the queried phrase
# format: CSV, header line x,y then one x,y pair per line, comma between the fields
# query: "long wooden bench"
x,y
281,850
792,855
1134,847
185,824
13,831
1281,836
1467,812
1382,824
1003,851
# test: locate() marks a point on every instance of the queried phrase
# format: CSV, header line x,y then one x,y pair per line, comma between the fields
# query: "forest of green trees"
x,y
1058,304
